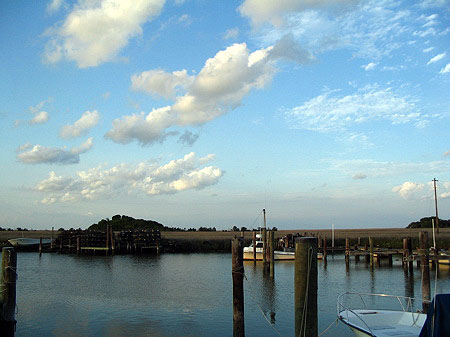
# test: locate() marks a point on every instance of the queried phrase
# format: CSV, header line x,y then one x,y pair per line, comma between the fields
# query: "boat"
x,y
278,255
352,310
28,242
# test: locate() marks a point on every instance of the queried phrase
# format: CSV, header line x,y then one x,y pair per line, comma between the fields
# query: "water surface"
x,y
184,294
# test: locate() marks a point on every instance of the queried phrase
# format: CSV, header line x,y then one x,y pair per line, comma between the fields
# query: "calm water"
x,y
183,295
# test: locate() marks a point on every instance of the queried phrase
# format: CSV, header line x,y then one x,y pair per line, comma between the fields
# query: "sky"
x,y
202,113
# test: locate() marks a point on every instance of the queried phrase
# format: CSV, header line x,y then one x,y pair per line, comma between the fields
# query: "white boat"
x,y
28,242
371,322
278,254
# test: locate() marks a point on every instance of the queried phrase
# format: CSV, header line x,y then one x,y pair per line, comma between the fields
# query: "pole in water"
x,y
237,270
435,204
40,246
264,238
305,287
254,246
8,288
371,250
272,254
325,249
423,237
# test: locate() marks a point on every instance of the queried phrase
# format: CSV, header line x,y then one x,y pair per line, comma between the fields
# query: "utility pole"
x,y
435,204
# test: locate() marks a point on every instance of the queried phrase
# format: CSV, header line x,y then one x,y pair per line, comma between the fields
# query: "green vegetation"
x,y
426,223
123,223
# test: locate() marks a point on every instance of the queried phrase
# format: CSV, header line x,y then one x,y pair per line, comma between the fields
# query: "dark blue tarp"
x,y
437,323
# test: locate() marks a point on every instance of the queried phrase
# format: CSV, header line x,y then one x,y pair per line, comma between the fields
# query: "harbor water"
x,y
186,294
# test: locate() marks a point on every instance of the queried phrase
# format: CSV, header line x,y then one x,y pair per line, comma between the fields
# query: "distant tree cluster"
x,y
426,223
123,222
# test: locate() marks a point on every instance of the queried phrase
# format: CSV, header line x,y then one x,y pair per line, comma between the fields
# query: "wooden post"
x,y
410,253
40,246
426,291
319,240
272,253
51,242
237,270
157,246
107,238
305,287
371,251
61,245
8,292
390,259
78,245
111,239
254,246
367,256
325,249
359,241
264,238
347,252
357,253
405,254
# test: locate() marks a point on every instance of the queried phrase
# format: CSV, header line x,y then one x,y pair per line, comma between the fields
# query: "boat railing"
x,y
406,304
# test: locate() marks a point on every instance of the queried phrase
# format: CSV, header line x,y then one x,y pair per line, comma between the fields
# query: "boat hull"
x,y
278,255
28,243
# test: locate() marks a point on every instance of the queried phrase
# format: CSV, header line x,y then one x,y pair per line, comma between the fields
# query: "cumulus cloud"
x,y
231,33
411,190
436,58
94,32
427,50
332,112
446,69
40,118
369,66
160,82
408,190
88,120
97,183
54,6
220,86
37,154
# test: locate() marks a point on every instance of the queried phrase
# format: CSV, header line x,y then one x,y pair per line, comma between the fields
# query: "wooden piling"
x,y
347,252
107,238
272,253
238,287
367,256
264,246
8,292
390,259
371,251
61,245
325,249
111,239
305,287
410,251
426,291
51,242
405,255
254,246
78,245
40,246
157,246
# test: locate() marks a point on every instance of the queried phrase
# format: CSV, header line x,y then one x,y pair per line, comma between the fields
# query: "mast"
x,y
435,204
264,212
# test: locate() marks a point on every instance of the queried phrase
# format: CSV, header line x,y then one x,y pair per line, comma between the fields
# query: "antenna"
x,y
435,204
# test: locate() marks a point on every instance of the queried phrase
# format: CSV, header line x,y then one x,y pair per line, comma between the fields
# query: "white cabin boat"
x,y
278,254
371,322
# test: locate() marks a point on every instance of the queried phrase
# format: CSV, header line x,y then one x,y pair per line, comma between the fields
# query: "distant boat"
x,y
28,242
278,255
371,322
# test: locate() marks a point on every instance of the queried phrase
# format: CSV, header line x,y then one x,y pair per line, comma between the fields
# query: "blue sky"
x,y
201,113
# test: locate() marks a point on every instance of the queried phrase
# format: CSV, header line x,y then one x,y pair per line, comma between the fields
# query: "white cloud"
x,y
160,82
369,66
40,118
331,112
54,6
231,33
88,120
436,58
260,11
359,176
220,86
97,183
95,31
427,50
446,69
380,169
409,190
37,154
